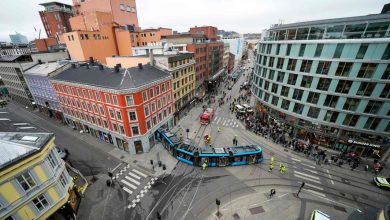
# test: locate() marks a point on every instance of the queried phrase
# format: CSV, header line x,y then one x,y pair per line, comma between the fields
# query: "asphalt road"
x,y
83,151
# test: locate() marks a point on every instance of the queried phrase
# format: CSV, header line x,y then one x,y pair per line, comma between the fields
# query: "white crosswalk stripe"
x,y
306,178
132,180
307,175
127,190
135,176
139,173
313,186
315,192
225,122
129,184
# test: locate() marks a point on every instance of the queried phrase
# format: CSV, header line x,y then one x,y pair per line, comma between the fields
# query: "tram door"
x,y
205,160
252,159
223,161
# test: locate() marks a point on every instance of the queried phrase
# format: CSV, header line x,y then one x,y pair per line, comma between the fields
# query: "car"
x,y
318,215
382,182
62,152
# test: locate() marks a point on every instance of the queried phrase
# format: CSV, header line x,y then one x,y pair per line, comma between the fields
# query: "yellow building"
x,y
34,182
182,68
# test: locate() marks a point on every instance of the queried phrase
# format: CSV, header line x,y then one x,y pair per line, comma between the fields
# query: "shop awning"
x,y
217,74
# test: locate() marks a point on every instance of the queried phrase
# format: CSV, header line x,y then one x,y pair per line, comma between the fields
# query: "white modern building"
x,y
237,46
18,39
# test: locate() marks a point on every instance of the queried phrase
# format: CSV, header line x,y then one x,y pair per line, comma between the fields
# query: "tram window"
x,y
237,159
243,158
180,154
188,157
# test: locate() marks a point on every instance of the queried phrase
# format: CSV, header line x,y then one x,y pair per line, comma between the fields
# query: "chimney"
x,y
73,65
39,61
101,67
116,69
140,66
151,58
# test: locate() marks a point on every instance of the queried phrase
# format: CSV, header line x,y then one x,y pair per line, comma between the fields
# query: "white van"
x,y
248,109
239,109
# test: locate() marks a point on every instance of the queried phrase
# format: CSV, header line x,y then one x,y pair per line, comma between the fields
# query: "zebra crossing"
x,y
308,176
225,122
135,183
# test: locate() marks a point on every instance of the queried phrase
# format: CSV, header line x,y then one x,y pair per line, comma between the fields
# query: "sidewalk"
x,y
283,205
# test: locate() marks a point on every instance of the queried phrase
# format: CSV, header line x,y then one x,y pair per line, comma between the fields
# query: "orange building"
x,y
209,32
124,12
43,45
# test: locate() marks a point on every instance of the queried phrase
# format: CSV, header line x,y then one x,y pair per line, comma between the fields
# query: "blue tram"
x,y
186,152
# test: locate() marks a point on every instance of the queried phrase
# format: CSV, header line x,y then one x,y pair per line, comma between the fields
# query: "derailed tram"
x,y
186,152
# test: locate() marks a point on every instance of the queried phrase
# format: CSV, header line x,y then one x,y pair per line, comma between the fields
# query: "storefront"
x,y
363,149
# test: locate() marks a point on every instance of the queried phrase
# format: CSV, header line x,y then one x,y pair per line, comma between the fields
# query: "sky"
x,y
242,16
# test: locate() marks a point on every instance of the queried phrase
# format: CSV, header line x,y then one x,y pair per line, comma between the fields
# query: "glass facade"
x,y
337,90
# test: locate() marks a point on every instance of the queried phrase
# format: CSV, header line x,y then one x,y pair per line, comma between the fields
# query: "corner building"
x,y
328,81
123,107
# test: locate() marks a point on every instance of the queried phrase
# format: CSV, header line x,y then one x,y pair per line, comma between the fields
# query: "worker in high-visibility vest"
x,y
204,165
282,168
219,129
271,166
272,159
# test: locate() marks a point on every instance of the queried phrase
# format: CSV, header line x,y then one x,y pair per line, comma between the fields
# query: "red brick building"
x,y
121,106
209,32
55,19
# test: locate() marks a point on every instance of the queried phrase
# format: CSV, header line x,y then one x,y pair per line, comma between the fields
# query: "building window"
x,y
351,104
343,86
280,63
302,50
122,7
128,8
157,90
386,53
291,64
385,92
26,181
277,49
313,112
323,84
112,115
297,94
118,115
306,81
102,110
318,50
350,120
135,130
292,79
298,108
115,99
366,88
323,67
306,66
146,110
275,100
313,97
362,51
148,125
97,96
129,100
114,126
52,160
373,107
343,69
386,73
153,107
132,115
285,104
163,87
144,96
331,116
63,180
338,51
280,77
285,91
367,70
108,98
40,202
331,101
372,123
288,50
271,62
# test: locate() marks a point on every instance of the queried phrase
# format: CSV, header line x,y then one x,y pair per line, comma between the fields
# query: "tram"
x,y
186,152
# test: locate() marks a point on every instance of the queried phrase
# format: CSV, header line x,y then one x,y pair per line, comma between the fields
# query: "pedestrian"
x,y
272,193
271,167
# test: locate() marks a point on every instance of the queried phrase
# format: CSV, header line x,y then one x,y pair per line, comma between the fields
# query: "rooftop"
x,y
364,18
18,139
45,69
130,78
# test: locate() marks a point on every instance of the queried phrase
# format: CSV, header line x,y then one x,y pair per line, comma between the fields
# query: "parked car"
x,y
63,153
318,215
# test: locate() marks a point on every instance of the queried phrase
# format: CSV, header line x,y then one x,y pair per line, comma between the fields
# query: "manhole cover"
x,y
343,194
340,208
236,216
256,210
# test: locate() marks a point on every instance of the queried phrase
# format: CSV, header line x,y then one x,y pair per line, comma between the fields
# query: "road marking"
x,y
309,165
138,172
308,175
132,180
129,184
292,158
330,176
135,176
315,192
313,186
127,190
311,170
305,178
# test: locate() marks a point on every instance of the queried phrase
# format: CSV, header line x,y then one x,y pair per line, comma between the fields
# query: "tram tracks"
x,y
199,134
